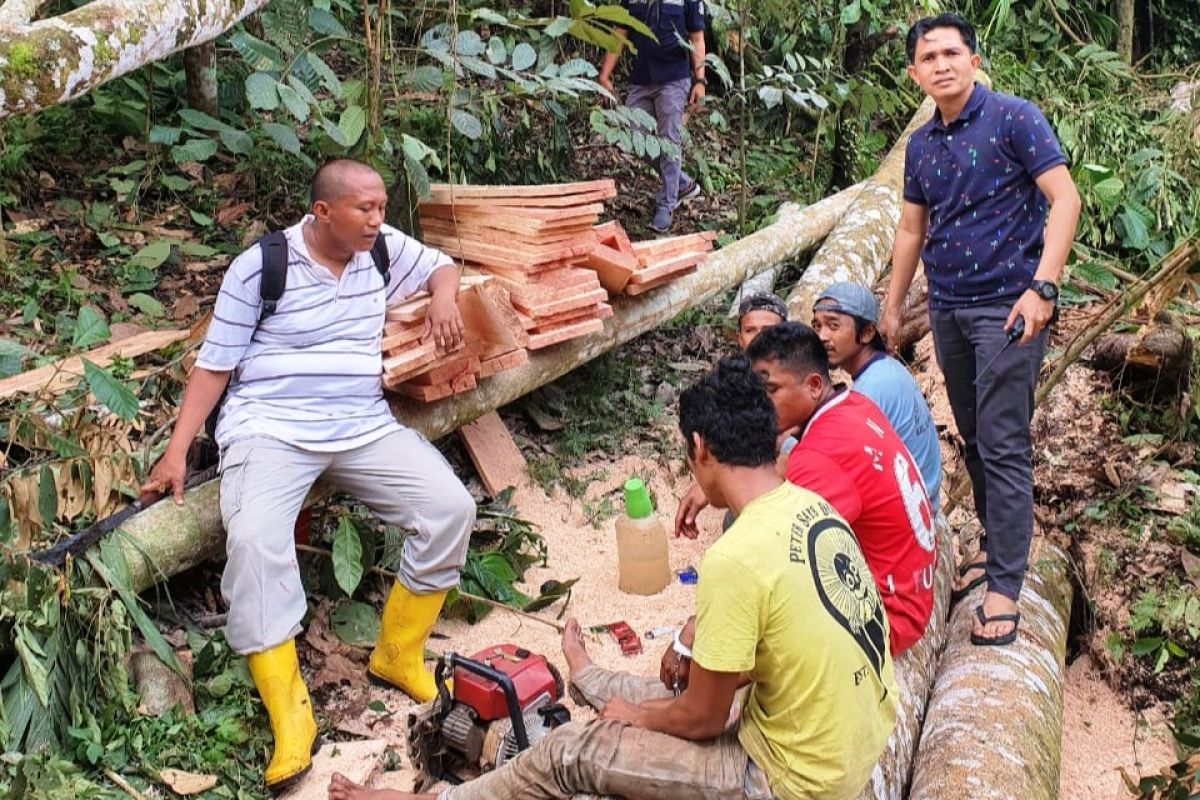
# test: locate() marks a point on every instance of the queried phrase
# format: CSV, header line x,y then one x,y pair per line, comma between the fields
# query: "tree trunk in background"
x,y
1156,359
200,69
859,248
1125,29
52,61
166,539
994,723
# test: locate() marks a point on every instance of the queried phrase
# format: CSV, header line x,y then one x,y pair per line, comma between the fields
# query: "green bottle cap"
x,y
637,499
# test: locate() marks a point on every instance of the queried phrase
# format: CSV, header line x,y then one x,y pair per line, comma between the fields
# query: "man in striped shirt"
x,y
304,401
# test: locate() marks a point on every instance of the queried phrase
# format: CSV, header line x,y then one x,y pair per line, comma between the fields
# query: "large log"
x,y
859,248
994,723
1157,358
167,539
915,672
54,60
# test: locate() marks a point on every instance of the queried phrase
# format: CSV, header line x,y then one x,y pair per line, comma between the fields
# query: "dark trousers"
x,y
993,418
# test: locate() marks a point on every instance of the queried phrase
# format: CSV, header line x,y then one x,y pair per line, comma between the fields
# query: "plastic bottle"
x,y
641,544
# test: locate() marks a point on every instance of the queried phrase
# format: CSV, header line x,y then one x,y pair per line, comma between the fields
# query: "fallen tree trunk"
x,y
994,724
1158,357
915,673
859,248
166,539
52,61
914,317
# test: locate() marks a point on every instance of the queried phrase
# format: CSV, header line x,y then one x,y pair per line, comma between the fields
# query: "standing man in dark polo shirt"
x,y
977,180
666,78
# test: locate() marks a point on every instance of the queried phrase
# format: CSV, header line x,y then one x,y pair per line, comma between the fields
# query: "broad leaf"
x,y
466,123
356,624
352,123
261,92
284,136
577,67
176,183
152,255
559,26
523,56
326,74
497,53
427,78
146,304
12,357
257,53
468,43
112,394
1136,233
90,328
347,556
163,135
200,121
194,150
296,105
325,23
47,496
237,142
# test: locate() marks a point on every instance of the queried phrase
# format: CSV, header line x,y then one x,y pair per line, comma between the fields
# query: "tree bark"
x,y
994,724
915,673
1158,357
859,248
1125,30
52,61
166,539
15,13
200,71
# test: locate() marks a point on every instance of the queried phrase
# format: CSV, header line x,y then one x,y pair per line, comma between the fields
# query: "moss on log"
x,y
994,724
166,539
52,61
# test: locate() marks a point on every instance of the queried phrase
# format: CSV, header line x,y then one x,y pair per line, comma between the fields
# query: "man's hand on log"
x,y
685,516
168,475
443,321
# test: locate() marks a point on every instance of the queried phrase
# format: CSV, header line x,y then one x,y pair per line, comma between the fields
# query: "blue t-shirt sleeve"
x,y
693,12
912,182
1033,141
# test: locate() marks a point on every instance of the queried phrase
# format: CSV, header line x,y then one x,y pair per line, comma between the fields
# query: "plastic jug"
x,y
641,544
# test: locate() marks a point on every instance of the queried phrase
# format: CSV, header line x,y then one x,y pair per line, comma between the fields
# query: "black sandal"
x,y
959,594
984,619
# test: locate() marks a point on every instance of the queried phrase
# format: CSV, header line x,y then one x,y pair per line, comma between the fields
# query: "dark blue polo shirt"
x,y
671,20
986,213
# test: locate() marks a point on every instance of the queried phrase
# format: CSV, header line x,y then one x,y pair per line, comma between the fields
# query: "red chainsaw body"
x,y
529,672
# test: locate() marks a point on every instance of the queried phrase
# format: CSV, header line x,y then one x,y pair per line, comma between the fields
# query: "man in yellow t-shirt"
x,y
786,606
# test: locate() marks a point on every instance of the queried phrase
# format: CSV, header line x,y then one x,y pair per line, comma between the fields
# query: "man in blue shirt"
x,y
845,316
666,79
977,180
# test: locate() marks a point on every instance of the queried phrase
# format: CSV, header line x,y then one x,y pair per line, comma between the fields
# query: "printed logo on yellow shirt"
x,y
846,588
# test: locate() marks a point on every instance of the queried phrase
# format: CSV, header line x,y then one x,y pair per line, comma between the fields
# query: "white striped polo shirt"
x,y
309,374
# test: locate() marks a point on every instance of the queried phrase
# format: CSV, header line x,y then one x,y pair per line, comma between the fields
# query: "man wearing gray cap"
x,y
845,317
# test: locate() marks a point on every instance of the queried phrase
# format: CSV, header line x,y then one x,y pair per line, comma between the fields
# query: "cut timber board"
x,y
62,375
613,267
438,191
552,284
676,264
448,372
558,305
491,366
503,251
409,361
557,335
544,216
494,453
634,289
399,334
439,391
517,204
359,761
612,234
657,249
488,234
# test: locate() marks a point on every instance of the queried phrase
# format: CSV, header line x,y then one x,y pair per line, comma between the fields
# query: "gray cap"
x,y
849,298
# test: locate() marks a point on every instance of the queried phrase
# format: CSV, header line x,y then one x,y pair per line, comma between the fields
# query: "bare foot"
x,y
573,647
994,604
971,572
342,788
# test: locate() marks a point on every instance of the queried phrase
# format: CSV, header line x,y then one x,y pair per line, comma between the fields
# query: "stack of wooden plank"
x,y
535,238
494,339
636,267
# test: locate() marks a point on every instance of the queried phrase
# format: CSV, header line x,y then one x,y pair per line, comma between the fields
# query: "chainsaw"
x,y
504,700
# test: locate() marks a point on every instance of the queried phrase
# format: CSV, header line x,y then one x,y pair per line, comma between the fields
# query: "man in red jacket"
x,y
849,454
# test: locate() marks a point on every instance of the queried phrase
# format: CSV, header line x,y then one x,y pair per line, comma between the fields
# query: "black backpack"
x,y
274,248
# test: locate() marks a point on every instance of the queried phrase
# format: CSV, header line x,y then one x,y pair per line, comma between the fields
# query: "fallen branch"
x,y
1179,260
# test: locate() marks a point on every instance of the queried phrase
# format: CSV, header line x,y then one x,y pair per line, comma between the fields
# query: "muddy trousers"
x,y
401,477
993,418
604,757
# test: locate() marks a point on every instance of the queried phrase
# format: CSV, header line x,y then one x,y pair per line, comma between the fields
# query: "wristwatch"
x,y
1047,290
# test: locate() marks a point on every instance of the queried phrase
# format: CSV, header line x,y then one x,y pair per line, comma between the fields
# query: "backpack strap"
x,y
274,271
382,259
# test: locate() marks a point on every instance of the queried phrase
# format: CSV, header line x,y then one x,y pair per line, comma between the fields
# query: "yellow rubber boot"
x,y
276,673
399,655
